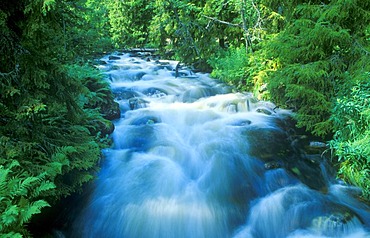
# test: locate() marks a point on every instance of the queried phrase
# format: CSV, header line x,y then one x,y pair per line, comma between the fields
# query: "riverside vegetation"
x,y
308,56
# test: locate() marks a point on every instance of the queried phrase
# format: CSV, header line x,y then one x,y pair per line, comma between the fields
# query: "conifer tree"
x,y
49,140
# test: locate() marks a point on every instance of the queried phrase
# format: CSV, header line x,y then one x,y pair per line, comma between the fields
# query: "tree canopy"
x,y
50,108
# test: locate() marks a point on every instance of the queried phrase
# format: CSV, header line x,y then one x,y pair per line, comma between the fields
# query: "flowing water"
x,y
192,159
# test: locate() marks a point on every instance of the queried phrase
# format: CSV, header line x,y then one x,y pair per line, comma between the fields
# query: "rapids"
x,y
193,159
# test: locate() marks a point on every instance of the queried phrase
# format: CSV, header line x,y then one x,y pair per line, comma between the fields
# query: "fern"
x,y
43,187
19,194
10,215
31,209
351,141
10,235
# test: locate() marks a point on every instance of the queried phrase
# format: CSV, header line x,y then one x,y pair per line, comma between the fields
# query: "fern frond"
x,y
32,209
10,234
44,186
10,215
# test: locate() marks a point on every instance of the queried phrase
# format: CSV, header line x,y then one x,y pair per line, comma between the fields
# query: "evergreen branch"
x,y
362,47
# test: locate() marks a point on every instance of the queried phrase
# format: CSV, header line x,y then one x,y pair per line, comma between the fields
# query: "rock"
x,y
146,120
315,147
155,92
309,172
267,144
275,149
112,112
113,57
124,94
114,67
336,221
105,127
136,103
138,75
245,122
272,165
100,62
159,67
264,111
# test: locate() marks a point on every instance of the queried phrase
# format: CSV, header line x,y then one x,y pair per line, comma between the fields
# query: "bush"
x,y
230,67
351,119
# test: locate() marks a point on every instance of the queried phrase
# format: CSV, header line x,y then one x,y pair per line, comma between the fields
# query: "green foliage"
x,y
130,21
351,118
176,26
311,57
230,66
19,200
51,109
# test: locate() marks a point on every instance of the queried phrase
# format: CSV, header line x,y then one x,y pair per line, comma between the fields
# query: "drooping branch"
x,y
245,24
184,26
259,20
223,22
248,42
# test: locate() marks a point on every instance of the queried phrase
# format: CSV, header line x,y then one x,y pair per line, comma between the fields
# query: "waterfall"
x,y
193,159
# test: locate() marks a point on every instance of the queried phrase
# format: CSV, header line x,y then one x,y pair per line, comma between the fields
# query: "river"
x,y
193,159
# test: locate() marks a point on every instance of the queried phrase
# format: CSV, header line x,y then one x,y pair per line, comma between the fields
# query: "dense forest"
x,y
55,108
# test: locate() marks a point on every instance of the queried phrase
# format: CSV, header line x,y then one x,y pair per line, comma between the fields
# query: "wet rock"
x,y
264,111
267,144
272,165
162,62
108,128
167,67
308,172
335,222
114,67
111,112
315,147
105,127
155,92
146,120
241,123
183,74
138,75
274,147
124,94
113,57
100,62
136,103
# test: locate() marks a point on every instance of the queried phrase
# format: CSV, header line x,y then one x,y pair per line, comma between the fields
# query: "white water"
x,y
189,161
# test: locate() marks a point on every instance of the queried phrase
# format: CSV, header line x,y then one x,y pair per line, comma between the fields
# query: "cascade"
x,y
193,159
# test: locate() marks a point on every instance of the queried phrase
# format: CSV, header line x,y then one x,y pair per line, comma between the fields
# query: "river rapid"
x,y
192,159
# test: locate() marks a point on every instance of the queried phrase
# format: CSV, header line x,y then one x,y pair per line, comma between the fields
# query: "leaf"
x,y
47,6
44,186
9,216
32,209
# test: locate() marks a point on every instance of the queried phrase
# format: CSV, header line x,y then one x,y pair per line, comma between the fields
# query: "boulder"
x,y
113,57
136,103
272,165
315,147
335,221
112,112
